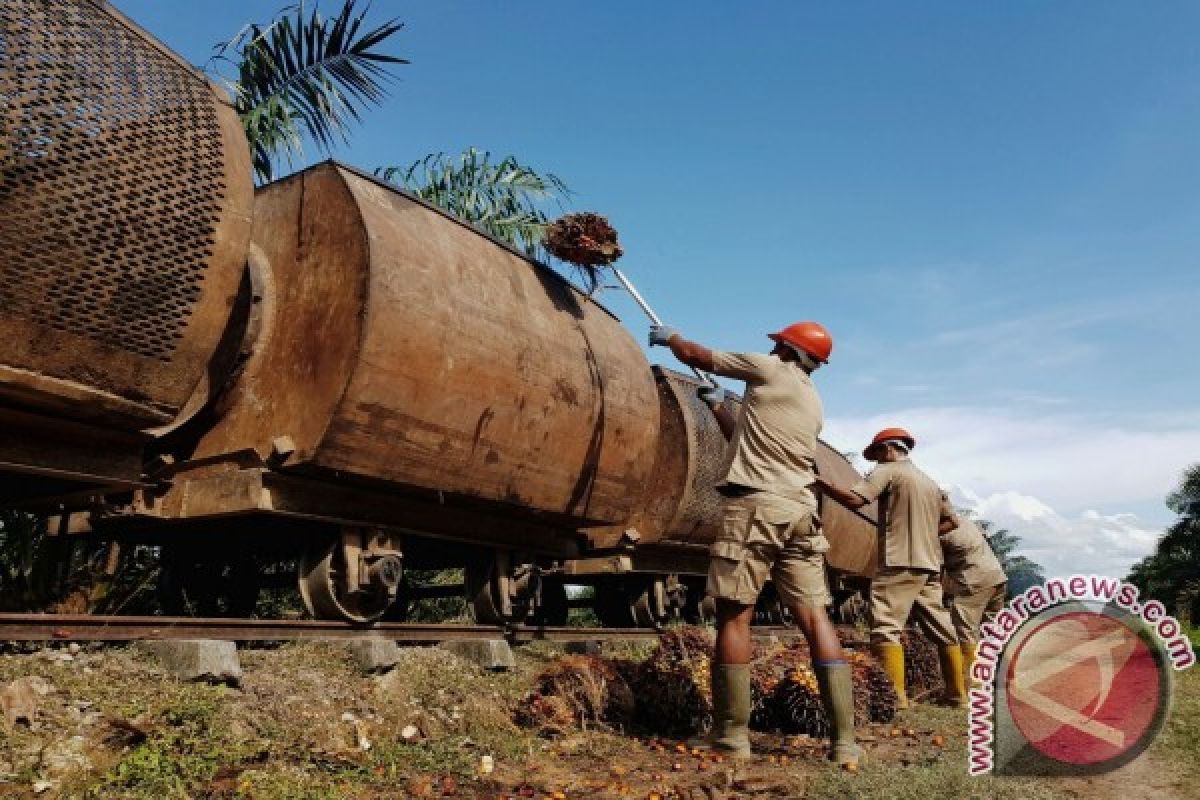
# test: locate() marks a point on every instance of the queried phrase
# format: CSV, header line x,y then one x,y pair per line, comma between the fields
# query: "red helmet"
x,y
811,337
886,434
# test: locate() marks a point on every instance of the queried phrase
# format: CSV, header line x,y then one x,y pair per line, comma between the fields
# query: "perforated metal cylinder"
x,y
125,202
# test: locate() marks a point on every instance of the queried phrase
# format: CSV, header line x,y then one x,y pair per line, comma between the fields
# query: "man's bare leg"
x,y
835,680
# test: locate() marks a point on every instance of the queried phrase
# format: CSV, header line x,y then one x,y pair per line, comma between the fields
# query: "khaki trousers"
x,y
970,606
897,593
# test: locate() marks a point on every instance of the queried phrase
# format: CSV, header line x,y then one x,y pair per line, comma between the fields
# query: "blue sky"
x,y
993,207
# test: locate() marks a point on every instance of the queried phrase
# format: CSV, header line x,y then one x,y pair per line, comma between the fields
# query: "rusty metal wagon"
x,y
330,371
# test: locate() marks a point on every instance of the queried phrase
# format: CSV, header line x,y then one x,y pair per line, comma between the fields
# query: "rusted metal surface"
x,y
125,201
698,517
94,628
400,345
124,215
853,538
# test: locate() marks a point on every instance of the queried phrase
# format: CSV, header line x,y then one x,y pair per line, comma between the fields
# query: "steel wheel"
x,y
321,574
633,602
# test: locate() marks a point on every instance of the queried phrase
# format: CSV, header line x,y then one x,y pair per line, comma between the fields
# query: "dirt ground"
x,y
306,725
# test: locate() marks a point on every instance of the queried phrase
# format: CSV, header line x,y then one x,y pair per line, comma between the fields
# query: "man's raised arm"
x,y
690,353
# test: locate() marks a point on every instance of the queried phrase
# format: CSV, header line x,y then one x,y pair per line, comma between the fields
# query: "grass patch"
x,y
1180,740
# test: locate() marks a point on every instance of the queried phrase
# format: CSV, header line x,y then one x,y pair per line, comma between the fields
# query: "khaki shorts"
x,y
764,535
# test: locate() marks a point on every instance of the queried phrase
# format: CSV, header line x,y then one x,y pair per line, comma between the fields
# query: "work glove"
x,y
661,334
713,395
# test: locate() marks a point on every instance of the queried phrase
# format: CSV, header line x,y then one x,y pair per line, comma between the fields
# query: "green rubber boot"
x,y
837,693
731,701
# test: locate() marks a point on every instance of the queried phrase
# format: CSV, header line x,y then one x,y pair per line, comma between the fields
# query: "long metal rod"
x,y
95,628
641,301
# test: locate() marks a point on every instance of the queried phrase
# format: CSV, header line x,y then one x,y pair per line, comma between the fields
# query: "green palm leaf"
x,y
304,74
503,198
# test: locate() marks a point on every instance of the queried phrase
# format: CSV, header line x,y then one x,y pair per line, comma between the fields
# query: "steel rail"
x,y
95,628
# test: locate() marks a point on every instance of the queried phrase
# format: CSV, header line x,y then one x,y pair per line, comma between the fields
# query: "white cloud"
x,y
1069,462
1063,483
1089,542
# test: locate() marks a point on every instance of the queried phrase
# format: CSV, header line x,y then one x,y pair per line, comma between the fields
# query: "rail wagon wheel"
x,y
324,587
497,593
633,602
648,597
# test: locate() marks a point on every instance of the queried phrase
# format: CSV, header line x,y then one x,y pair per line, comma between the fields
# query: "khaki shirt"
x,y
970,563
909,512
774,445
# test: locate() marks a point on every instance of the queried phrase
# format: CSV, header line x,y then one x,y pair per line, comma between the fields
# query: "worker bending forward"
x,y
770,527
976,582
912,513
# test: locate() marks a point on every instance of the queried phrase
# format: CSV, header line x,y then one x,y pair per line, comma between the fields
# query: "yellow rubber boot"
x,y
891,656
951,656
968,657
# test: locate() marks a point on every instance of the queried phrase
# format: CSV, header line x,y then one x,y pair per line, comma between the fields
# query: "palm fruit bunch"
x,y
791,697
765,674
922,668
785,690
550,715
672,685
593,688
878,702
797,703
584,239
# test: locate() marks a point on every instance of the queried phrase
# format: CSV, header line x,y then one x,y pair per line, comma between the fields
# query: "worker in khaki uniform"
x,y
974,579
913,512
770,527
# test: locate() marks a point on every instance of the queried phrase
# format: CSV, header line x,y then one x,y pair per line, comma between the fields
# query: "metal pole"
x,y
637,296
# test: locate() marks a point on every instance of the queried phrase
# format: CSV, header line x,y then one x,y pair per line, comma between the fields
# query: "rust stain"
x,y
565,393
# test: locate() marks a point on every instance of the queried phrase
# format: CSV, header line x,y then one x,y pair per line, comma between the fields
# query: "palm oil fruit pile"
x,y
672,685
788,699
668,692
579,690
922,668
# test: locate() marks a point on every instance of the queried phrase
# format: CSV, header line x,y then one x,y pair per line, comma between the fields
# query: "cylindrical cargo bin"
x,y
125,201
400,345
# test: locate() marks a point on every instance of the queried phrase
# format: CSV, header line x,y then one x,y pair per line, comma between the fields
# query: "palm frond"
x,y
305,74
503,198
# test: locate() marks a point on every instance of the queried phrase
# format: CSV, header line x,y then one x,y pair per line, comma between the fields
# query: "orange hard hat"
x,y
885,435
811,337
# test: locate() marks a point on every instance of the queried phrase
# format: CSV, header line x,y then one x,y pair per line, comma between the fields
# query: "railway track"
x,y
93,628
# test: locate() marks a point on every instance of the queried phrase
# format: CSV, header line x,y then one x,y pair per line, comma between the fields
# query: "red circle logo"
x,y
1084,688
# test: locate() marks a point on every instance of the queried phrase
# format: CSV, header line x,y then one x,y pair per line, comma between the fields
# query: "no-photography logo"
x,y
1076,679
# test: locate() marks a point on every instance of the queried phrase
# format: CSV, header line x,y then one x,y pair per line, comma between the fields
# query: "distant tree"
x,y
503,198
1171,574
305,74
1022,572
